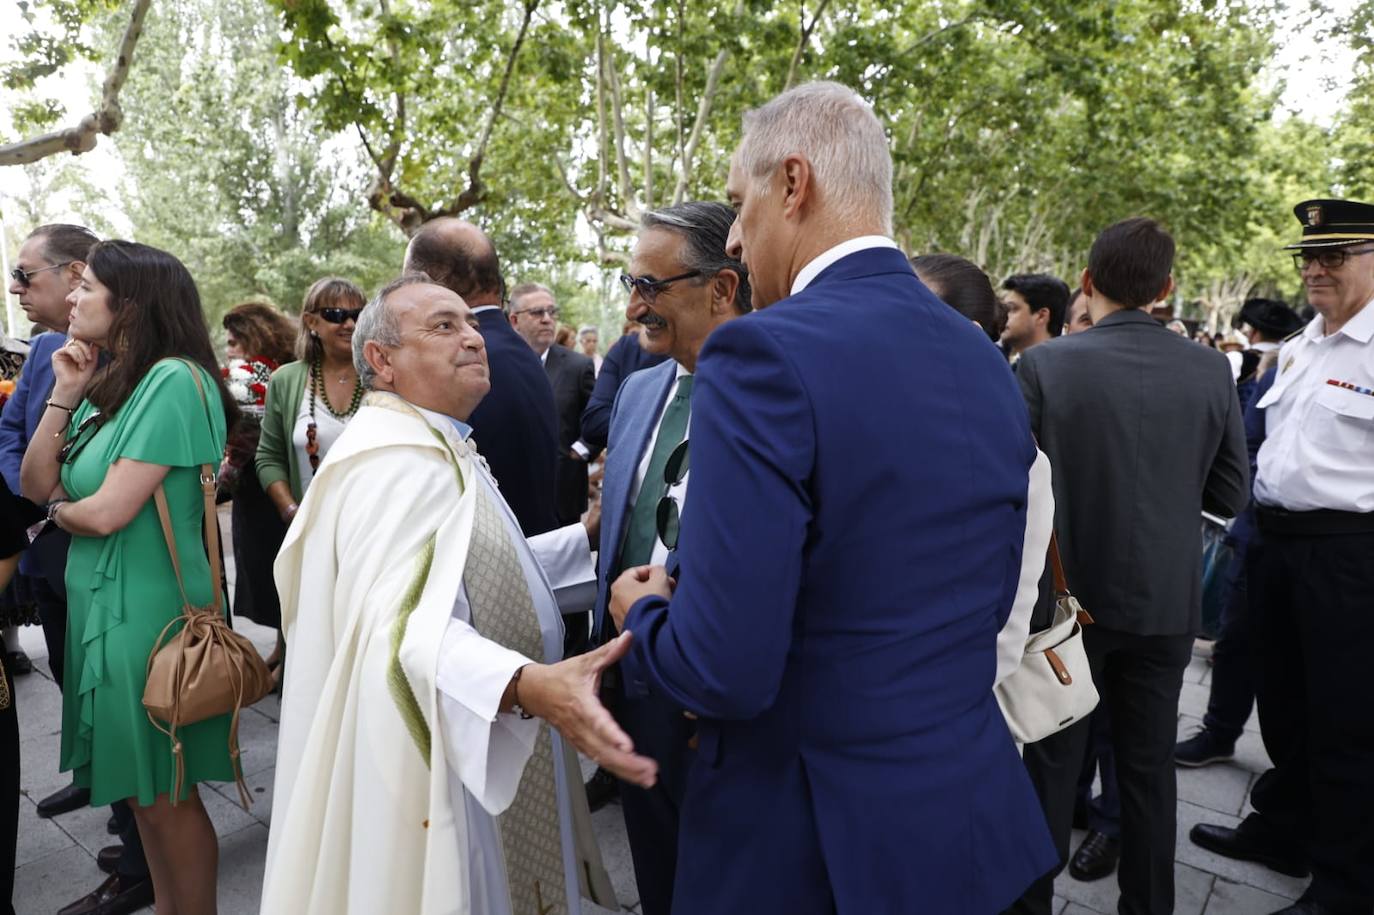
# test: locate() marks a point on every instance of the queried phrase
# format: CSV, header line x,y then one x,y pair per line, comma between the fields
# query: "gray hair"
x,y
587,329
524,289
378,322
838,133
704,228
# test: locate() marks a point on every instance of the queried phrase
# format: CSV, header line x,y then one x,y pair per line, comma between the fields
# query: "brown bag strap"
x,y
207,486
1061,583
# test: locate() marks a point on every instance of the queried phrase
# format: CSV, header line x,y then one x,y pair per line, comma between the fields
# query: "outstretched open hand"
x,y
565,695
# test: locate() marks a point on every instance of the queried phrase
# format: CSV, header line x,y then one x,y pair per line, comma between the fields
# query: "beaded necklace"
x,y
312,444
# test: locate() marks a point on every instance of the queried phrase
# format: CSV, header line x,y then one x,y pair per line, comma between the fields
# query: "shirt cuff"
x,y
582,450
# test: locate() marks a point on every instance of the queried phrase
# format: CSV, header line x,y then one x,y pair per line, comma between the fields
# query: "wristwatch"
x,y
52,508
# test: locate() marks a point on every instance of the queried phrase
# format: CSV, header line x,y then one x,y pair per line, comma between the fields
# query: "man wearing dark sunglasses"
x,y
47,268
681,285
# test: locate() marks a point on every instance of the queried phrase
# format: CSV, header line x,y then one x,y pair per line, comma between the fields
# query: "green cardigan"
x,y
276,458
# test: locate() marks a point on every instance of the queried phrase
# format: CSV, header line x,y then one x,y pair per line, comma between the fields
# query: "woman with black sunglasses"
x,y
116,432
310,401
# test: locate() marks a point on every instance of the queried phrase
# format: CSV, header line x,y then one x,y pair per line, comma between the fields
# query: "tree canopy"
x,y
268,144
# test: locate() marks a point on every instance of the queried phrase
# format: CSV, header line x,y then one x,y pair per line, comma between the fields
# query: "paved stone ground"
x,y
56,862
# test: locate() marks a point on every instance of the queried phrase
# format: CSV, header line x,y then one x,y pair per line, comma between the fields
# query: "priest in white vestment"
x,y
414,772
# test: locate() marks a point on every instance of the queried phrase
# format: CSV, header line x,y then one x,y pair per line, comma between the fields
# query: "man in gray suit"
x,y
1151,423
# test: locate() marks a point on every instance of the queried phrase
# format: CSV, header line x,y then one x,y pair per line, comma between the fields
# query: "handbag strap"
x,y
207,486
1061,583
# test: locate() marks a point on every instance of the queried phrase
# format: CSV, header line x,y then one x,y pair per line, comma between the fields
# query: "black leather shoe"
x,y
68,799
108,858
602,788
1246,846
1203,749
112,825
116,896
1095,858
18,663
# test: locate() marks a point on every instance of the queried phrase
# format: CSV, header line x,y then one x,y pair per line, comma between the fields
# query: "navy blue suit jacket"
x,y
20,417
860,458
24,410
516,427
623,359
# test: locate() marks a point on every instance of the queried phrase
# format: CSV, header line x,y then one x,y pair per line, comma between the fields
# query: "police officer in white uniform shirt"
x,y
1312,582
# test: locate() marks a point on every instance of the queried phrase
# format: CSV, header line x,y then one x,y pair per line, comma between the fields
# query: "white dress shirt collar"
x,y
481,308
830,256
1359,328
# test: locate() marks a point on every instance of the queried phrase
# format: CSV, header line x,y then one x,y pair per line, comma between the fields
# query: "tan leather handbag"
x,y
1053,687
206,668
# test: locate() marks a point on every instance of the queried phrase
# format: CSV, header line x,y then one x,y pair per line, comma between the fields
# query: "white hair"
x,y
838,133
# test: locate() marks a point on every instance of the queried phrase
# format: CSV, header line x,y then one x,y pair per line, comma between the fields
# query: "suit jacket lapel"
x,y
640,418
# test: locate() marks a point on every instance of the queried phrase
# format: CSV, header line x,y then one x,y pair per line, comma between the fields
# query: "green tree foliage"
x,y
228,172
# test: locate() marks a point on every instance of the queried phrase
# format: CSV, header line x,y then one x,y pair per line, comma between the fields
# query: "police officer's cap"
x,y
1334,223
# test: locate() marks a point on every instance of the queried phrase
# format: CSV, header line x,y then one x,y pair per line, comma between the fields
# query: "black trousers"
x,y
652,815
1232,694
1104,809
1313,598
9,794
1139,678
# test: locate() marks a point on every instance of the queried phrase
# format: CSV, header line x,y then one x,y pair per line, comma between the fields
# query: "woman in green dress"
x,y
125,417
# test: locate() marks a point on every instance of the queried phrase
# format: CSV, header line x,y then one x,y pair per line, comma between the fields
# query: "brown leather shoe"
x,y
116,896
108,858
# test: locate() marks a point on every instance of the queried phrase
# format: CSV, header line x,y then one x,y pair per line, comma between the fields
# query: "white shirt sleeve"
x,y
486,748
1011,641
565,555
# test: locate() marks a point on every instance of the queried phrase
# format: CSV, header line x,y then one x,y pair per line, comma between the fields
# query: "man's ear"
x,y
380,360
1085,282
724,287
74,271
1041,317
798,184
1167,291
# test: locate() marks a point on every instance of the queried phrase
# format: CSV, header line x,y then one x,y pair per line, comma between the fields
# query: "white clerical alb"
x,y
392,757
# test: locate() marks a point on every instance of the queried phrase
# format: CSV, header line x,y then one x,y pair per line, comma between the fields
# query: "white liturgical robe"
x,y
393,761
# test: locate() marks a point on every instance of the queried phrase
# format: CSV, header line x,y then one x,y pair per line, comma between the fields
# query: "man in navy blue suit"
x,y
515,426
682,285
860,462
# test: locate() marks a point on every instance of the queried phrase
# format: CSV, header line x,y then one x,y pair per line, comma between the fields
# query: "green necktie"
x,y
642,530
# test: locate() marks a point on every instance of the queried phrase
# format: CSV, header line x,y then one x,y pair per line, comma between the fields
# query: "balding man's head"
x,y
459,256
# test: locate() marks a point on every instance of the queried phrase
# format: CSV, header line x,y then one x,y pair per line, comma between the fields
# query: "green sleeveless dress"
x,y
121,590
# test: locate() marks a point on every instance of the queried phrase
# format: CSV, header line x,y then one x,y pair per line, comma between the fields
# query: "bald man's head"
x,y
457,255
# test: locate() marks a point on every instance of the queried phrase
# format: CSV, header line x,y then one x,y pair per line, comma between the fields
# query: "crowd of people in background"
x,y
808,690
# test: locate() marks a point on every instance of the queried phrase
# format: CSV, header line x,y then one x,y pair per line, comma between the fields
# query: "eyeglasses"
x,y
648,287
25,277
1329,259
669,516
549,311
81,438
340,315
